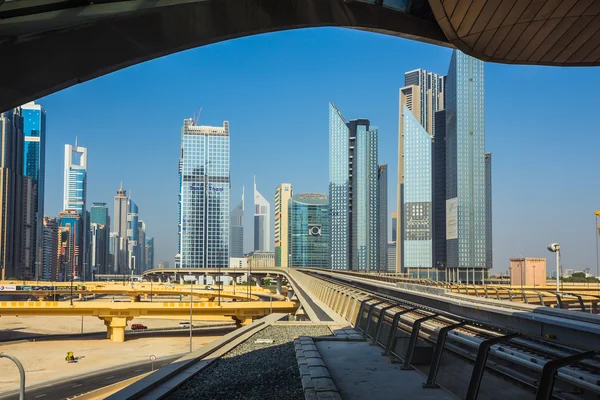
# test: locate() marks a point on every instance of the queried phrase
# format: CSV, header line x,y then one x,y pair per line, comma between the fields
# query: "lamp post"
x,y
533,266
21,373
597,233
219,277
555,248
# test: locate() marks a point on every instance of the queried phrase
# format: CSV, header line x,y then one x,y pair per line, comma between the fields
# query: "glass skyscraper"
x,y
75,178
465,164
34,131
72,254
353,193
417,203
382,197
262,222
488,211
283,194
205,196
309,230
236,238
100,256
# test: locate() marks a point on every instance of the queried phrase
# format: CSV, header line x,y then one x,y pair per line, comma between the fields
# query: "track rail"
x,y
529,355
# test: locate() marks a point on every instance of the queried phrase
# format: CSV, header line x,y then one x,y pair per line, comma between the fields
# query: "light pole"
x,y
555,248
533,266
191,298
597,233
21,373
71,289
219,277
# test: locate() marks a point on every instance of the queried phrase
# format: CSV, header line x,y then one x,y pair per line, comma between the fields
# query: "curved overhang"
x,y
53,49
539,32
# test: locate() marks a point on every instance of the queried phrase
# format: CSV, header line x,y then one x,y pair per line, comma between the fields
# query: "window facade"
x,y
309,232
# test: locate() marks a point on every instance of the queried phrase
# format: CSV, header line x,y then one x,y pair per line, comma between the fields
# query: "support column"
x,y
241,321
115,328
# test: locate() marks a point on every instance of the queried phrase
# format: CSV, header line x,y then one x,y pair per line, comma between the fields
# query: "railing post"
x,y
559,302
21,373
414,334
369,317
380,322
437,354
360,311
392,335
546,385
479,367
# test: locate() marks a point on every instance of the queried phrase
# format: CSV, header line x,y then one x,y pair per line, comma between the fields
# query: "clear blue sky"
x,y
541,126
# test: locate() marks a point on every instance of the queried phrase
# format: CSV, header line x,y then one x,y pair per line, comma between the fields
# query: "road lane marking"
x,y
79,384
112,376
137,370
40,395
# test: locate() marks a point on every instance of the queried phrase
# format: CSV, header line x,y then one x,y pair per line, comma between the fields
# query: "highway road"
x,y
68,388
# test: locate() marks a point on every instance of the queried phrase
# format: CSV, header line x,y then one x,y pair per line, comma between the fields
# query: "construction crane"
x,y
197,117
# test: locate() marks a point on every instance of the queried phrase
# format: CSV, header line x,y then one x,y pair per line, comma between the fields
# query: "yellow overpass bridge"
x,y
117,315
45,290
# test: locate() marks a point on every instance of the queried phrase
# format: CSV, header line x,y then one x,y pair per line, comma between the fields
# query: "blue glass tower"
x,y
34,130
465,164
309,230
353,193
204,196
417,194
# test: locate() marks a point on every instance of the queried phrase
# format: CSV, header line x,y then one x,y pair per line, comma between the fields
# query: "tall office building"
x,y
394,227
353,193
99,216
309,231
64,253
73,257
420,98
113,250
383,216
439,191
283,194
74,198
236,236
99,248
262,222
50,250
488,211
391,245
11,193
465,165
29,267
142,264
149,253
133,235
75,178
34,131
120,227
205,196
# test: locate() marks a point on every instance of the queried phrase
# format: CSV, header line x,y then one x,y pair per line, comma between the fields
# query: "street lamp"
x,y
219,277
597,232
555,248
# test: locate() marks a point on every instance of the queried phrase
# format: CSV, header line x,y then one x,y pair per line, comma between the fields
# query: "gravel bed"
x,y
254,371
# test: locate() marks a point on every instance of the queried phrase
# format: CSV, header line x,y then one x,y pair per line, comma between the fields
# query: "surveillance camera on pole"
x,y
555,248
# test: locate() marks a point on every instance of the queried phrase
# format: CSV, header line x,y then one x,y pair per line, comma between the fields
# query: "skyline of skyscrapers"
x,y
283,194
204,196
262,222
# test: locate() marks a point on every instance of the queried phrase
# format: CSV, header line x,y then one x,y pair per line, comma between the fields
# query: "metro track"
x,y
526,356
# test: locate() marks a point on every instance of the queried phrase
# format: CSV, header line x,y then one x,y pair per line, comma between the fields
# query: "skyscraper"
x,y
353,193
262,222
465,165
420,98
383,216
488,211
75,178
99,248
11,193
283,194
75,190
34,130
113,250
142,265
236,237
309,230
133,259
439,191
120,227
72,260
204,195
50,250
99,216
28,265
150,253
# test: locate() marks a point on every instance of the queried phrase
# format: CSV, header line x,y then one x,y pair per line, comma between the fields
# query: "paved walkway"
x,y
361,372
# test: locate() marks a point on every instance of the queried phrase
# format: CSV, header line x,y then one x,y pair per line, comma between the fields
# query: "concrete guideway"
x,y
579,330
117,315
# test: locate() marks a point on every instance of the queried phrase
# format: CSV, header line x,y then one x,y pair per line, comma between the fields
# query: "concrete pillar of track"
x,y
290,293
279,280
135,298
181,280
80,296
